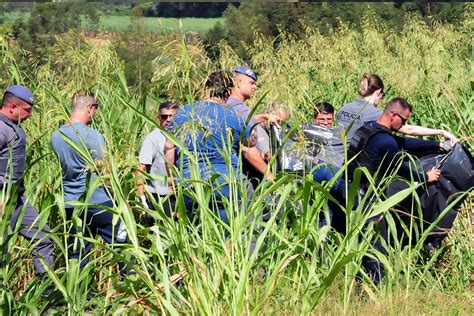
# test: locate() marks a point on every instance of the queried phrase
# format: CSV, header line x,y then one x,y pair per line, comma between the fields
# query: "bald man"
x,y
79,175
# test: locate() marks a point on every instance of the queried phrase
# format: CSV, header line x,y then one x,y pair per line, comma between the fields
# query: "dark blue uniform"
x,y
385,149
12,158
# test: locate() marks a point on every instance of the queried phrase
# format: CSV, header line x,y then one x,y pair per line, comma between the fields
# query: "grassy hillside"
x,y
286,264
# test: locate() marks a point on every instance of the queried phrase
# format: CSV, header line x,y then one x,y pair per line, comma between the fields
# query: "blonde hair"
x,y
369,84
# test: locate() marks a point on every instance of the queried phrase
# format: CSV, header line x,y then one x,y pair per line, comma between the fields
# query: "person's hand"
x,y
171,187
144,202
274,119
448,136
433,175
270,176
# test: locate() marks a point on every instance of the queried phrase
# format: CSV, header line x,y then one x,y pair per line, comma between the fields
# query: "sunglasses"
x,y
28,110
165,116
404,119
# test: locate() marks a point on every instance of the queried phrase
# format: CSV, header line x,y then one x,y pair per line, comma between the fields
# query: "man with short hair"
x,y
323,114
325,167
379,148
152,160
243,89
214,133
16,107
78,175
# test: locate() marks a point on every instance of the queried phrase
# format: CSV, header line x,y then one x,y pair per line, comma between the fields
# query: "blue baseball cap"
x,y
246,71
21,92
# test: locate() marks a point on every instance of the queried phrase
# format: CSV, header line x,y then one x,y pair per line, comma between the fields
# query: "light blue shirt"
x,y
74,167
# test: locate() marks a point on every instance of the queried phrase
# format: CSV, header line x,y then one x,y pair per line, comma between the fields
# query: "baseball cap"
x,y
246,71
21,92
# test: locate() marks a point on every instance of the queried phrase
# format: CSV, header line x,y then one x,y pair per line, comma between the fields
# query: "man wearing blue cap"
x,y
17,105
244,88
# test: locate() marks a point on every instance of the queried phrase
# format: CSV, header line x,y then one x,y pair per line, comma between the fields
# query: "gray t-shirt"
x,y
263,140
359,112
356,113
152,154
74,167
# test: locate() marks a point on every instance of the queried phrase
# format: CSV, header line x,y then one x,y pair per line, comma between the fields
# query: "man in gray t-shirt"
x,y
75,144
244,88
152,161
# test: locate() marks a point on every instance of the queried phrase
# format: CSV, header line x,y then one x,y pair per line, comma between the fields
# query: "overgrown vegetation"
x,y
298,266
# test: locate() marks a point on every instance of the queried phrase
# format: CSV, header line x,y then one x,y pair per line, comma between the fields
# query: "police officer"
x,y
378,149
17,105
244,87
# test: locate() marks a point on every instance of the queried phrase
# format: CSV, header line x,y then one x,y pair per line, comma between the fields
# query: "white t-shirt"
x,y
152,153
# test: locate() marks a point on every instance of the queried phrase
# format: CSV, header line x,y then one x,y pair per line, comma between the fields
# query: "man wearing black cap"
x,y
17,105
244,88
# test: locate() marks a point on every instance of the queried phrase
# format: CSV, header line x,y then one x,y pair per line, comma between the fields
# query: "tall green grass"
x,y
210,268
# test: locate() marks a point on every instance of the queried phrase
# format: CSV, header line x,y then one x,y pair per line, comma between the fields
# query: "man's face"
x,y
324,119
20,110
398,118
246,85
165,116
92,106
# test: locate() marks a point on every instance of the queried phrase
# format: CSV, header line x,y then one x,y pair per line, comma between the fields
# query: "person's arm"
x,y
254,158
415,130
97,149
170,157
140,181
271,118
418,146
388,148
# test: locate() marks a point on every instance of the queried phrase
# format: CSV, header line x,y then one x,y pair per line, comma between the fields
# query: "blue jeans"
x,y
218,195
324,172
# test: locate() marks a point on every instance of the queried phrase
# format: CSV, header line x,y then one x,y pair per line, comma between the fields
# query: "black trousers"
x,y
96,221
169,206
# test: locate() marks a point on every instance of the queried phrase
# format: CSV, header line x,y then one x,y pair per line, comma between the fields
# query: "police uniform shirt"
x,y
12,141
357,113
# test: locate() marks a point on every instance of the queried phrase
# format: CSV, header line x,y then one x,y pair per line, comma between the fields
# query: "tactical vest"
x,y
357,146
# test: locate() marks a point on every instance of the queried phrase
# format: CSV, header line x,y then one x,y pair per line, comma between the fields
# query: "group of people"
x,y
216,131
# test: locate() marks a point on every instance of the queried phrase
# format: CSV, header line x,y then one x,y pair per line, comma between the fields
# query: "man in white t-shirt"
x,y
153,164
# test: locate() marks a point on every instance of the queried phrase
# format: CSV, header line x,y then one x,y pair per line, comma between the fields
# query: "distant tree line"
x,y
183,9
38,33
268,18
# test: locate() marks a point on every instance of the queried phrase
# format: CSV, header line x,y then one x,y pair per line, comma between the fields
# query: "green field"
x,y
287,263
198,25
121,23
